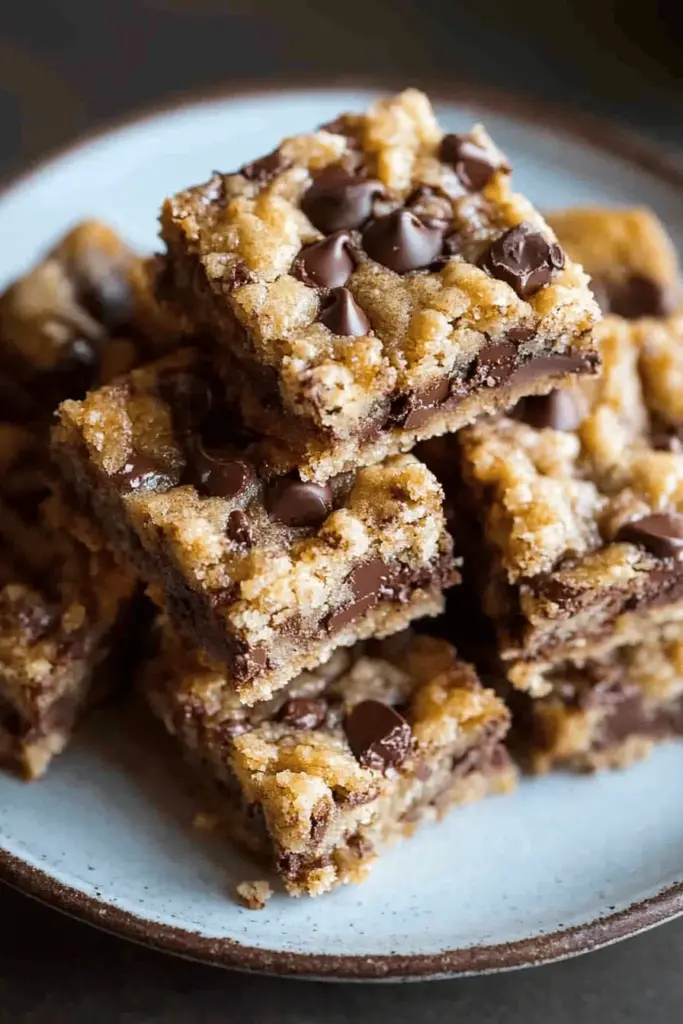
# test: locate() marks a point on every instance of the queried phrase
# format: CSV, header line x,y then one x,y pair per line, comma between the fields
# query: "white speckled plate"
x,y
566,865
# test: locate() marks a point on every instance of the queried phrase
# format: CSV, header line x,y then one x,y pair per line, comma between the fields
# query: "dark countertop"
x,y
65,65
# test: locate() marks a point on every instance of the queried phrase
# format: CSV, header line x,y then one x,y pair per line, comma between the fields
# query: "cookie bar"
x,y
627,253
58,626
346,758
374,283
606,712
265,572
83,314
576,507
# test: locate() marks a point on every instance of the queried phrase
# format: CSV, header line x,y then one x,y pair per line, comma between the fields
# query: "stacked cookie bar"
x,y
65,604
360,289
575,515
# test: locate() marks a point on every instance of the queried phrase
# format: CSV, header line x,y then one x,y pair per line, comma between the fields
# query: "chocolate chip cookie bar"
x,y
578,506
375,283
627,253
59,624
606,712
84,313
267,573
344,759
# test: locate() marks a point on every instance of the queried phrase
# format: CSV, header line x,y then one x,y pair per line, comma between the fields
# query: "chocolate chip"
x,y
525,259
300,713
426,202
424,403
299,504
328,263
402,242
554,366
474,165
342,315
218,473
637,296
659,533
339,200
268,167
368,582
379,737
238,528
557,411
495,364
140,473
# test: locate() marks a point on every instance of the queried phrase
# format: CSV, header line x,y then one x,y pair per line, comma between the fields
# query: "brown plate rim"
x,y
223,952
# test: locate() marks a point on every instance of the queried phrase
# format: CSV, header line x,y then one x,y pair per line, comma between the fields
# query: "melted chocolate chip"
x,y
525,259
342,315
556,410
402,242
474,165
328,263
424,403
426,202
496,363
339,200
659,533
218,473
140,473
637,296
299,504
238,528
268,167
555,366
379,737
233,727
300,713
368,582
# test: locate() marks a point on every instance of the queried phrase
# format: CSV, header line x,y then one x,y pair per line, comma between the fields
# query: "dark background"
x,y
69,65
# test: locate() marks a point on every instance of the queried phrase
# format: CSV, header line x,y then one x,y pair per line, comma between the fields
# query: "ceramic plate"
x,y
566,865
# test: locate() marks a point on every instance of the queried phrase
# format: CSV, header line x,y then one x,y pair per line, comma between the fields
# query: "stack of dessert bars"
x,y
329,401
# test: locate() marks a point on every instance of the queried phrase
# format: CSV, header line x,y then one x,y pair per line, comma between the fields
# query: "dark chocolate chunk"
x,y
474,165
659,533
339,200
299,504
637,296
402,242
424,403
108,297
379,737
328,263
140,473
525,259
268,167
218,473
368,582
557,410
238,528
342,315
301,713
555,366
495,364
